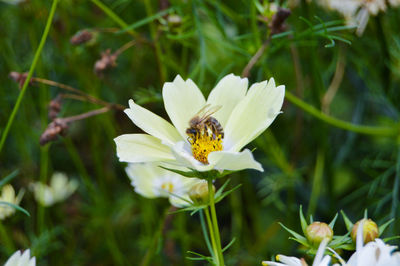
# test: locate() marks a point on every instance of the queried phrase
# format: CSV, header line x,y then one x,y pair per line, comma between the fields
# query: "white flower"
x,y
152,181
18,259
8,195
357,12
394,3
374,253
58,190
319,260
243,114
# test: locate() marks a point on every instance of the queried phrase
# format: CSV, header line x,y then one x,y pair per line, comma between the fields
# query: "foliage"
x,y
328,155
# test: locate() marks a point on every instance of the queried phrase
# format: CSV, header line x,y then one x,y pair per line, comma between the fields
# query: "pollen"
x,y
203,144
168,187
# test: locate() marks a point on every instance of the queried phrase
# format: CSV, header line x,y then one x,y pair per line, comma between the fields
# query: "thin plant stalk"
x,y
211,228
206,233
368,130
215,222
6,240
30,73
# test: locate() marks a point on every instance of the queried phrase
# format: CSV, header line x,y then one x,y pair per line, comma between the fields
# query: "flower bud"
x,y
199,193
370,230
317,231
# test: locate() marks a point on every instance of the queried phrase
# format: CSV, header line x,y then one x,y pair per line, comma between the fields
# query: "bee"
x,y
203,123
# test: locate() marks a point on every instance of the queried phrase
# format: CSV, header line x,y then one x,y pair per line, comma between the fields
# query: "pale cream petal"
x,y
253,114
179,201
152,123
32,262
182,100
184,156
136,148
229,91
235,161
272,263
290,261
142,176
13,260
24,259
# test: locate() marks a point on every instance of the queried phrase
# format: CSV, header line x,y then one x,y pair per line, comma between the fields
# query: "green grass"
x,y
347,159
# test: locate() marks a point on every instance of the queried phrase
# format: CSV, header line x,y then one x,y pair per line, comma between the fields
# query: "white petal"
x,y
227,94
179,201
152,123
225,160
320,252
182,100
253,114
272,263
32,262
290,261
13,259
24,260
142,176
136,148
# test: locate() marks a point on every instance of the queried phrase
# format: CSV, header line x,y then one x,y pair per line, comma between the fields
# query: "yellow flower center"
x,y
168,187
203,144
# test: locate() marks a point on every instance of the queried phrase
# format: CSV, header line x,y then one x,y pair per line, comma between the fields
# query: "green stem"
x,y
317,182
155,240
215,222
211,229
159,54
368,130
113,16
30,73
6,240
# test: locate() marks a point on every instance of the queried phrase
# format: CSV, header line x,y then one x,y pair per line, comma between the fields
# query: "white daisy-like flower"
x,y
152,181
242,115
374,253
59,189
8,195
319,260
21,259
394,3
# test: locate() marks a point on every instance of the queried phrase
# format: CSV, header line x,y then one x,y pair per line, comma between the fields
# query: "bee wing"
x,y
207,111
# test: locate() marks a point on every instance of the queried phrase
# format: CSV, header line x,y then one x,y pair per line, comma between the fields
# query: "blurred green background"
x,y
307,161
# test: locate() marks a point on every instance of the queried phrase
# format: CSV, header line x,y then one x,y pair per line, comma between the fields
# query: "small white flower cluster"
x,y
357,12
21,259
59,189
8,196
374,253
152,181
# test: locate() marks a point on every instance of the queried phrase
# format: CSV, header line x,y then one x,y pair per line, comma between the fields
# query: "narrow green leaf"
x,y
18,208
146,20
303,220
332,223
293,233
383,227
183,173
301,241
348,223
9,177
229,244
221,189
390,238
226,193
366,214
